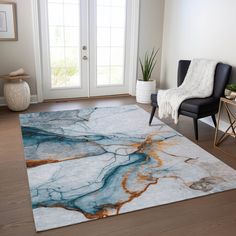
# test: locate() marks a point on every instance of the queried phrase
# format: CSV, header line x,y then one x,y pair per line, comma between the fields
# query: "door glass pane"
x,y
64,38
111,23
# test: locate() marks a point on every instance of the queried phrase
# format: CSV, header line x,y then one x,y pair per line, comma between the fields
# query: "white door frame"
x,y
133,50
37,49
134,46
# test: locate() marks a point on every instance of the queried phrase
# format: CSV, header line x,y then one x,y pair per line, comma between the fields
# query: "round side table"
x,y
16,92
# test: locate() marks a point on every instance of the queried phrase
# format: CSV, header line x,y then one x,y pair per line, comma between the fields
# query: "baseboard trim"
x,y
222,127
33,100
85,98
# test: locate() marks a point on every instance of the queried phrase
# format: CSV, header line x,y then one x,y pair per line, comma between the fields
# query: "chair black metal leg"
x,y
214,120
152,114
195,123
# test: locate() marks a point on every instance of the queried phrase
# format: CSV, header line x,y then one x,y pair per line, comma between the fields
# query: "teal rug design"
x,y
94,163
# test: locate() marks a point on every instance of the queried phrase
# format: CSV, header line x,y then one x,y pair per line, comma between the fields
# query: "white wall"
x,y
197,29
17,54
151,31
14,55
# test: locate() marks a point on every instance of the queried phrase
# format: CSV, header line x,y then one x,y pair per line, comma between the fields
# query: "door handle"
x,y
85,58
84,48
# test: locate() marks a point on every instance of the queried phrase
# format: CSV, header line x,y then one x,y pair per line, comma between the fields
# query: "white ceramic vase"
x,y
227,92
17,95
144,89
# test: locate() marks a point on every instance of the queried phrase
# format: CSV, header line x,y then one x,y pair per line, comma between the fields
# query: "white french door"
x,y
64,27
85,47
107,47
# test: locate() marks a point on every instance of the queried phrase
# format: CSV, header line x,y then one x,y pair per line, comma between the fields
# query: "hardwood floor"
x,y
210,215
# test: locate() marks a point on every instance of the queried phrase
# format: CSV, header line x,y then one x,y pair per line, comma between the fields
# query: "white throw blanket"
x,y
198,83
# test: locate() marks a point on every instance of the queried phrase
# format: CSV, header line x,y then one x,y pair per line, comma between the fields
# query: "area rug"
x,y
93,163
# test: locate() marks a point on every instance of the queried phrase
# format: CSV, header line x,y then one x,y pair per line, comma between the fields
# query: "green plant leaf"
x,y
231,87
148,64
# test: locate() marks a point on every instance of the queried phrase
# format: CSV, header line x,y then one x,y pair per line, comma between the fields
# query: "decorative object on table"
x,y
227,93
146,86
231,115
230,91
16,90
231,87
8,22
18,72
97,162
198,108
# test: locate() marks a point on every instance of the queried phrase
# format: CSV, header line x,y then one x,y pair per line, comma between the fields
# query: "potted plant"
x,y
146,86
230,91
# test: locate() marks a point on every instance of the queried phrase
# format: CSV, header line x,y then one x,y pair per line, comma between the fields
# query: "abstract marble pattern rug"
x,y
93,163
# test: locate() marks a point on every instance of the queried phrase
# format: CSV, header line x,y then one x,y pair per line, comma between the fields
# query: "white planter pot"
x,y
227,92
144,89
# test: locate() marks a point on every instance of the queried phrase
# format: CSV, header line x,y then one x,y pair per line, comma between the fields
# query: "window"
x,y
64,37
111,25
